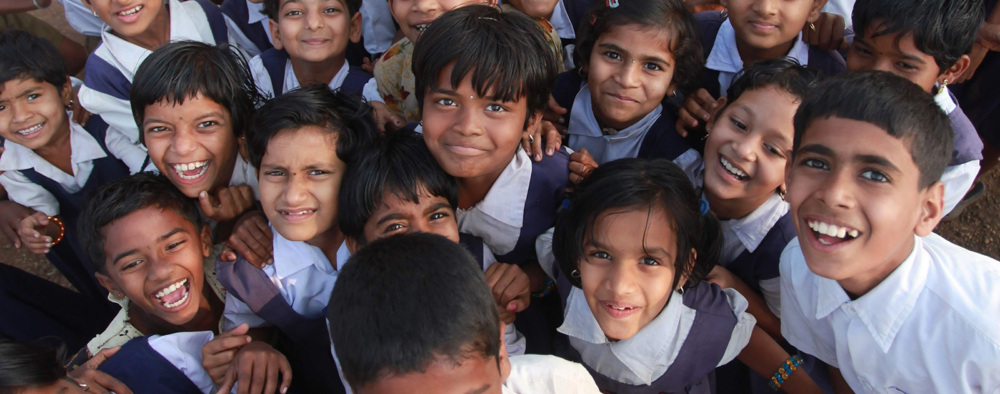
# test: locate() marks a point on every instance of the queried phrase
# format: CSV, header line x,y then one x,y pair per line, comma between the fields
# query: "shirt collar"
x,y
725,57
294,256
944,100
583,122
182,27
561,22
292,81
85,148
752,229
506,199
256,12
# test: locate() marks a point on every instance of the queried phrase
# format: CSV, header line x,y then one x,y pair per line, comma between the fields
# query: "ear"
x,y
931,209
355,32
241,146
275,34
503,359
815,10
951,74
533,120
721,102
353,245
692,260
206,240
110,285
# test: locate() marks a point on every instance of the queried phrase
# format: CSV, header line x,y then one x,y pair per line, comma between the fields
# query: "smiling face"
x,y
629,72
535,8
856,203
299,180
136,21
746,150
33,113
431,214
413,16
315,30
191,143
628,268
894,54
768,28
155,257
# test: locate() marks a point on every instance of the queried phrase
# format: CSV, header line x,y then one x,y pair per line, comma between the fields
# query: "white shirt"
x,y
516,344
23,191
377,26
842,8
290,81
183,351
746,233
563,26
256,14
81,19
957,179
930,326
540,374
303,276
245,174
498,218
725,58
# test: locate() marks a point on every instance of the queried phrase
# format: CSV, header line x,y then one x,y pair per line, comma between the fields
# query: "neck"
x,y
156,35
860,285
473,190
329,242
749,54
309,73
734,208
59,150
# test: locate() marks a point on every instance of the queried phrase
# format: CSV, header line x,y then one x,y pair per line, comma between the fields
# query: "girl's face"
x,y
627,271
746,150
33,113
770,26
628,74
414,16
130,19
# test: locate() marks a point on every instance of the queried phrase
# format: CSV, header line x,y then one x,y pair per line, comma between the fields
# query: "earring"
x,y
681,290
724,14
942,86
812,26
69,105
575,274
781,193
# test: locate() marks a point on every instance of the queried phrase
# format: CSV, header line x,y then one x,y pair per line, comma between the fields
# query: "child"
x,y
866,287
301,144
248,25
192,102
398,188
37,368
927,42
630,62
133,31
50,163
565,17
422,338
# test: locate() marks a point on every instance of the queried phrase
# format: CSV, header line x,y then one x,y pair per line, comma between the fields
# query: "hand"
x,y
80,115
218,354
580,165
97,381
227,203
32,233
510,286
697,108
367,65
829,32
721,276
252,239
531,140
255,370
385,119
11,215
555,114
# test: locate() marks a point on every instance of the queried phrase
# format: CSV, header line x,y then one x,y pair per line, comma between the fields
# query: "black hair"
x,y
181,70
399,164
641,184
340,113
784,73
271,7
504,52
24,365
891,103
120,198
943,29
23,55
404,302
670,15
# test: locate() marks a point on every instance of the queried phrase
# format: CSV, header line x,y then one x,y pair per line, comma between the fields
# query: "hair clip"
x,y
703,206
612,3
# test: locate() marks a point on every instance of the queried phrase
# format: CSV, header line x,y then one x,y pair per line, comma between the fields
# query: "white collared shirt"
x,y
563,26
303,276
237,37
535,373
377,26
498,218
263,80
746,233
20,189
930,326
725,57
81,19
245,174
183,351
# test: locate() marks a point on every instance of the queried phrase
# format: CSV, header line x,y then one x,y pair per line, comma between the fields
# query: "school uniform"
x,y
81,19
512,338
291,295
533,373
930,326
248,25
162,364
377,26
967,151
723,60
565,19
111,67
272,72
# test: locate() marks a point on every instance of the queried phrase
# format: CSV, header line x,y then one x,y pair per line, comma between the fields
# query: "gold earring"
x,y
812,26
942,86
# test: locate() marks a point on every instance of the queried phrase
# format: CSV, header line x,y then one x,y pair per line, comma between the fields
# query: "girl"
x,y
630,61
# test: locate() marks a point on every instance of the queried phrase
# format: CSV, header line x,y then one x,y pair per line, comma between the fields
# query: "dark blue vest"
x,y
762,264
474,245
144,370
237,11
968,146
275,60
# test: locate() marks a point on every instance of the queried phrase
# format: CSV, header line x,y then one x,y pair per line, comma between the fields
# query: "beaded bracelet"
x,y
549,286
786,370
62,229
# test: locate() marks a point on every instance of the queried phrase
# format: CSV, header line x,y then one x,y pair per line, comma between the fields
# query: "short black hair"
x,y
271,7
403,302
181,70
23,55
784,73
504,52
120,198
24,365
891,103
340,113
642,184
399,163
670,15
943,29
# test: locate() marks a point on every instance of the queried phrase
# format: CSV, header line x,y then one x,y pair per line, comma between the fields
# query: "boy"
x,y
866,287
421,337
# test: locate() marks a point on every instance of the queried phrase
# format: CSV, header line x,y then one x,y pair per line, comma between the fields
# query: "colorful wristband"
x,y
549,286
62,229
791,365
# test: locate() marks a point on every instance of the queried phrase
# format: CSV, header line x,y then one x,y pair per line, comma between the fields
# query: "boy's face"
x,y
472,137
299,180
856,202
191,143
895,54
155,257
315,30
432,214
769,24
535,8
33,113
414,16
127,18
746,149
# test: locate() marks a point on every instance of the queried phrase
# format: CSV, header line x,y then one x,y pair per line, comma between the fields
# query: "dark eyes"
x,y
875,175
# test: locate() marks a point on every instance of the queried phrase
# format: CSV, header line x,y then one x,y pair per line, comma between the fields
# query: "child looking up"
x,y
866,287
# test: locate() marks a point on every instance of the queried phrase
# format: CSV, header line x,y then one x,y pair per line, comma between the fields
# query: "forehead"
x,y
196,103
474,375
143,227
769,106
396,200
653,223
16,86
310,139
639,38
849,138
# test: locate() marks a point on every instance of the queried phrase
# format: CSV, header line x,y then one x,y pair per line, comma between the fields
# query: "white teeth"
x,y
172,288
298,213
832,230
180,168
130,11
179,302
31,129
422,27
732,169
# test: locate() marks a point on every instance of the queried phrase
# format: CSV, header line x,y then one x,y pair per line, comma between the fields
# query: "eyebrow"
x,y
133,251
199,118
22,94
864,159
438,206
905,55
644,58
816,149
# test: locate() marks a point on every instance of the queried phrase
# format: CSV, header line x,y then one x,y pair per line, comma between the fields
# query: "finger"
x,y
286,374
258,378
228,254
100,357
207,203
575,178
227,382
246,197
250,253
826,35
271,382
536,145
685,121
11,233
226,202
525,142
110,384
243,375
553,139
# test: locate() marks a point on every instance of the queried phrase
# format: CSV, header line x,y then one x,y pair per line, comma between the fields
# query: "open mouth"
x,y
191,171
618,310
131,11
295,215
174,295
733,170
30,130
830,234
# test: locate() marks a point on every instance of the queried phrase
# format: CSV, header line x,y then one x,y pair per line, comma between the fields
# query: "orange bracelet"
x,y
62,229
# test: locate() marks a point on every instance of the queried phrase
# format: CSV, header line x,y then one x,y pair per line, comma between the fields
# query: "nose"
x,y
621,279
314,20
297,190
425,6
467,121
160,270
184,141
746,148
20,112
836,190
628,75
765,7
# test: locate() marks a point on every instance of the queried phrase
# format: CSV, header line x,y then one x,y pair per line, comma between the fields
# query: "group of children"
x,y
721,206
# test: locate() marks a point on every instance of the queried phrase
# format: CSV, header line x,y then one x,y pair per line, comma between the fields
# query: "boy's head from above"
x,y
415,16
148,244
33,368
633,59
191,102
142,22
34,91
750,136
397,188
767,29
925,41
314,30
482,77
437,331
634,234
301,143
869,149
